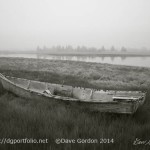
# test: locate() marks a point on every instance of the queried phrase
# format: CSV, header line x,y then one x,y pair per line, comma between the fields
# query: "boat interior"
x,y
74,92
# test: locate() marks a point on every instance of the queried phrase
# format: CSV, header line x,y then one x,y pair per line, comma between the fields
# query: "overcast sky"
x,y
25,24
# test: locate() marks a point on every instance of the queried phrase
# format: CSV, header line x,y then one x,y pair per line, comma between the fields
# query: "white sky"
x,y
24,24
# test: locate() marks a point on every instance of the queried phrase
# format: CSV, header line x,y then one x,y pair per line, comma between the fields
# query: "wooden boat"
x,y
126,102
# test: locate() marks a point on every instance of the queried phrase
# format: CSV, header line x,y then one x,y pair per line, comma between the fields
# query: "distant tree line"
x,y
78,49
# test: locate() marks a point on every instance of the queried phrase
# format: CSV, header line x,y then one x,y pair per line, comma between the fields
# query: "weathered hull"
x,y
112,107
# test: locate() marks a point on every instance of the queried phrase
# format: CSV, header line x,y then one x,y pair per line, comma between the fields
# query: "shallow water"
x,y
129,61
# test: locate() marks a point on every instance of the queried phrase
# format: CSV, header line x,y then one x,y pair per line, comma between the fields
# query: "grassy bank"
x,y
21,118
80,73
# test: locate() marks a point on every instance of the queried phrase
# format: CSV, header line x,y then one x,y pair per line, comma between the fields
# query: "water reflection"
x,y
123,58
130,61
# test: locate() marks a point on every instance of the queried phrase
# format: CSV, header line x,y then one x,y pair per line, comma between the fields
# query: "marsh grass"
x,y
22,118
92,75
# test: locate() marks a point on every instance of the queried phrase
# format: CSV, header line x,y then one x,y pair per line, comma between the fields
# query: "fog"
x,y
25,24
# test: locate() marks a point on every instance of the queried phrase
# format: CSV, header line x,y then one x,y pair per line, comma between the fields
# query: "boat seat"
x,y
82,94
37,86
102,96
